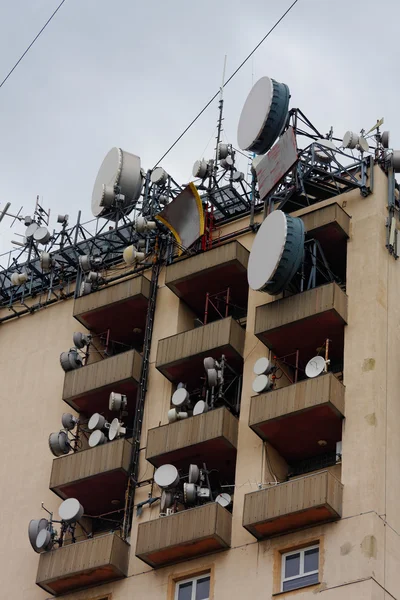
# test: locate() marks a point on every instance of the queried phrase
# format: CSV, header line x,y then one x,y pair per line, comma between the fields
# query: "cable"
x,y
227,81
31,44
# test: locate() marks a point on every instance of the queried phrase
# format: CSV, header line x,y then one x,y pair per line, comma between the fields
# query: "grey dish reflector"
x,y
34,528
263,116
277,252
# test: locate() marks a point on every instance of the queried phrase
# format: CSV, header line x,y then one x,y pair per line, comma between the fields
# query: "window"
x,y
299,568
195,588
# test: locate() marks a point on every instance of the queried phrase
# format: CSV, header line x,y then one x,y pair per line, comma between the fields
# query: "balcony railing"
x,y
87,389
210,438
184,535
84,564
120,307
96,477
180,357
297,504
211,272
295,418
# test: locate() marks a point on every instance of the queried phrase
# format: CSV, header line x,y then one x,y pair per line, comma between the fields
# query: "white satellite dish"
x,y
262,383
262,366
166,476
81,340
85,288
46,262
34,527
93,277
199,408
238,176
194,474
19,278
201,169
116,430
142,225
276,254
167,500
363,144
70,360
350,140
223,151
42,235
120,170
189,493
97,438
59,443
223,499
209,363
30,230
132,256
227,163
180,396
85,263
212,377
325,157
315,366
71,510
158,176
263,116
98,421
68,421
117,402
174,415
44,541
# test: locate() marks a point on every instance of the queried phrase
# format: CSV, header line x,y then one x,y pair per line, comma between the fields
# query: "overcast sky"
x,y
133,74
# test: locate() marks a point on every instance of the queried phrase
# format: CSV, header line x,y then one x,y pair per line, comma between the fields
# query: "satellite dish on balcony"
x,y
167,500
116,430
70,360
189,493
81,339
180,396
223,499
98,421
276,254
315,366
199,408
262,366
68,421
117,402
34,528
175,415
59,443
71,510
262,383
46,262
209,363
263,116
166,476
194,474
97,438
212,377
44,541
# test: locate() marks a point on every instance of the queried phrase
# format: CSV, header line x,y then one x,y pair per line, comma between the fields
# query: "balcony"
x,y
294,418
184,535
304,321
88,389
294,505
96,477
180,357
84,564
212,271
210,438
121,308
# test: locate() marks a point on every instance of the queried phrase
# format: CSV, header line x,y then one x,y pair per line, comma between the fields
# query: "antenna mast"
x,y
220,117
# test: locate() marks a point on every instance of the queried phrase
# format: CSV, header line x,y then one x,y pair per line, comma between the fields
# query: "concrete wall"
x,y
359,554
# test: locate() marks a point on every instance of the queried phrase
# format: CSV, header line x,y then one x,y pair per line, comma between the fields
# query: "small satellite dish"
x,y
262,383
62,219
350,140
81,339
201,169
167,500
223,499
71,510
97,438
34,527
116,430
223,151
19,278
166,476
363,144
42,235
44,541
262,366
180,396
93,277
59,443
263,116
68,421
237,176
189,493
85,263
209,363
158,176
132,256
226,163
46,262
315,366
385,139
85,288
194,474
212,377
70,360
142,225
120,170
30,230
199,408
117,402
97,421
276,254
174,415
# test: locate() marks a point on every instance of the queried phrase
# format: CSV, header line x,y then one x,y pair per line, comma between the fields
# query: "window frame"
x,y
193,579
302,552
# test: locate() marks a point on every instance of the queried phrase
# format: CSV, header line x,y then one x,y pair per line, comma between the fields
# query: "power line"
x,y
31,44
227,81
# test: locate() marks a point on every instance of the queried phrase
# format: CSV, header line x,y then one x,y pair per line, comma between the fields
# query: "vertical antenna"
x,y
220,117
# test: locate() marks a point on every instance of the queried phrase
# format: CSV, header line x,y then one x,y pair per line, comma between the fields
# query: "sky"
x,y
134,74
